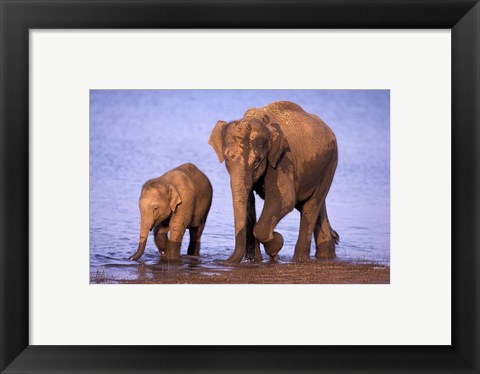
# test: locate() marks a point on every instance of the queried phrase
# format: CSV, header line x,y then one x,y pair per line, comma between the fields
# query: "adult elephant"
x,y
289,158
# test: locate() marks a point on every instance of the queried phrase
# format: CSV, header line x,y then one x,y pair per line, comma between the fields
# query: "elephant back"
x,y
279,106
309,138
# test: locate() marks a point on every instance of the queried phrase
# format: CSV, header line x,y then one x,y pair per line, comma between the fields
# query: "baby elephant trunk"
x,y
142,243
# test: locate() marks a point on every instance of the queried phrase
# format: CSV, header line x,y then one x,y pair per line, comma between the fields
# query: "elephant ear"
x,y
173,197
216,139
278,144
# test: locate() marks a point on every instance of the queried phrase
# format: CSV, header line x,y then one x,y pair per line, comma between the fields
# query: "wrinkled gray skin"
x,y
289,158
178,200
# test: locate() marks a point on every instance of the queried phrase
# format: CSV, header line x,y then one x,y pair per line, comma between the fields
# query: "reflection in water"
x,y
138,135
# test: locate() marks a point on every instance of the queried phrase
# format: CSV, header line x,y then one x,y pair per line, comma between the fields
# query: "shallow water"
x,y
138,135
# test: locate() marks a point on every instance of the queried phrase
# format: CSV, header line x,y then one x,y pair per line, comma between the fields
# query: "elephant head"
x,y
157,203
249,147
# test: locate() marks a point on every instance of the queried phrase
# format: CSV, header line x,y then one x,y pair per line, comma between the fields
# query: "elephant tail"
x,y
335,236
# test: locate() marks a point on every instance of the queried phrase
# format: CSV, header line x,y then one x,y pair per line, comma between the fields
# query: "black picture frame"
x,y
17,17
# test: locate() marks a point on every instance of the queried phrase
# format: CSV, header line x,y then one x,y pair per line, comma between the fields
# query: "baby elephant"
x,y
177,200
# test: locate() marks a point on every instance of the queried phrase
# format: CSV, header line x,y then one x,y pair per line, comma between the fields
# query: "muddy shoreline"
x,y
192,271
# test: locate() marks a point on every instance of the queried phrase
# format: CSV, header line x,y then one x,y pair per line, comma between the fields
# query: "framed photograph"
x,y
166,168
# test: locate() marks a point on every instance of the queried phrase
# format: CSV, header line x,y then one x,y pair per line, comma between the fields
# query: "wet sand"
x,y
193,271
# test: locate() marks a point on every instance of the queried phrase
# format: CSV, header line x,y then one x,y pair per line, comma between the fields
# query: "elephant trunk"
x,y
144,230
241,188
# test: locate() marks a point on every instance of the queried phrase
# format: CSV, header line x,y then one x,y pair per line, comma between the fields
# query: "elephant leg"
x,y
253,247
195,235
264,229
325,237
310,213
308,218
161,238
174,243
278,203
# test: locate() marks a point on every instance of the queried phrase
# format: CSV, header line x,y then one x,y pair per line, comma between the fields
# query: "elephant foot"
x,y
326,250
173,251
302,254
226,263
237,256
232,260
252,258
193,249
253,254
274,258
275,245
258,254
168,257
250,253
301,258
